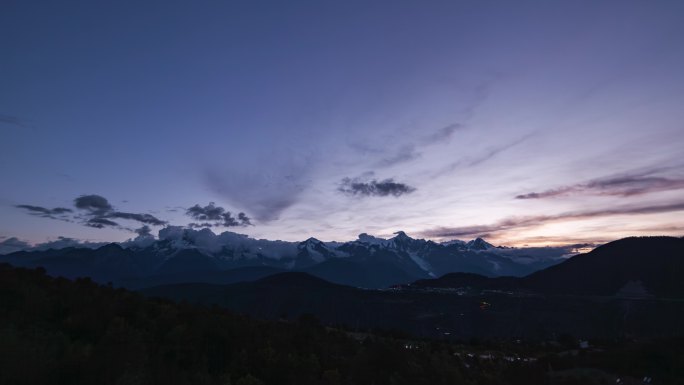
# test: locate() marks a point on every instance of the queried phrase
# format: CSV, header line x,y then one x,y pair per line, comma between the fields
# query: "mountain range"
x,y
187,255
629,287
626,288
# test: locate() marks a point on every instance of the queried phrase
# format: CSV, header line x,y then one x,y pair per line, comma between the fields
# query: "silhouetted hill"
x,y
656,262
216,277
369,273
296,279
57,331
654,265
461,314
453,280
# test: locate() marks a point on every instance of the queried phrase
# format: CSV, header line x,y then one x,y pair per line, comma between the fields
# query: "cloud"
x,y
620,185
100,223
383,188
265,195
96,211
96,204
408,152
443,134
12,121
486,155
216,216
100,211
242,217
194,225
144,231
206,239
10,245
56,213
142,218
513,223
403,154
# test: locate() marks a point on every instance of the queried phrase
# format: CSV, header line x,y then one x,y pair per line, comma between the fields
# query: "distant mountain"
x,y
186,255
445,314
637,266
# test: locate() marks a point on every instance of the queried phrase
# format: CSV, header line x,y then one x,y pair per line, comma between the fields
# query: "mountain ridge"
x,y
365,262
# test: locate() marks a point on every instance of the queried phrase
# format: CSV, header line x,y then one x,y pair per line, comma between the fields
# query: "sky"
x,y
524,122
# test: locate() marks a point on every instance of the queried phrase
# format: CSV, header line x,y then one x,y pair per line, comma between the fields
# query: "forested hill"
x,y
57,331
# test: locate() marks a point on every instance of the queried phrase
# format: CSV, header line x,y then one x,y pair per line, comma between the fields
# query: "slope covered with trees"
x,y
57,331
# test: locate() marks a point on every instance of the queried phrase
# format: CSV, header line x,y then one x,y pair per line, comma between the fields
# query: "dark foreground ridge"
x,y
57,331
638,267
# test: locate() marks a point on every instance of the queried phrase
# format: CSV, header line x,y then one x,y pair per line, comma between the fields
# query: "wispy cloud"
x,y
403,154
618,185
387,187
407,150
514,223
13,121
43,211
100,223
484,156
266,194
443,134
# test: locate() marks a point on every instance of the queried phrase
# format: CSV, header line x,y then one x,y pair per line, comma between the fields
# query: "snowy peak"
x,y
314,250
403,242
479,244
311,242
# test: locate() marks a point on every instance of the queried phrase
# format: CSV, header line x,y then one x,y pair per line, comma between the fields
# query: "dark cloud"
x,y
100,223
96,204
43,211
96,211
215,216
144,231
200,225
621,185
514,223
243,218
142,218
383,188
100,211
208,212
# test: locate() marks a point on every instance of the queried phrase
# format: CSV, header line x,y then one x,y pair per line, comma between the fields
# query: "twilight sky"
x,y
527,122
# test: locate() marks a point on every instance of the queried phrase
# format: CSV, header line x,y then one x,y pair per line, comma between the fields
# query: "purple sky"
x,y
528,122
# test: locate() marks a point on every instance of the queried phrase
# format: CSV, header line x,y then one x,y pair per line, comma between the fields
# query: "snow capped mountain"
x,y
368,261
479,244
